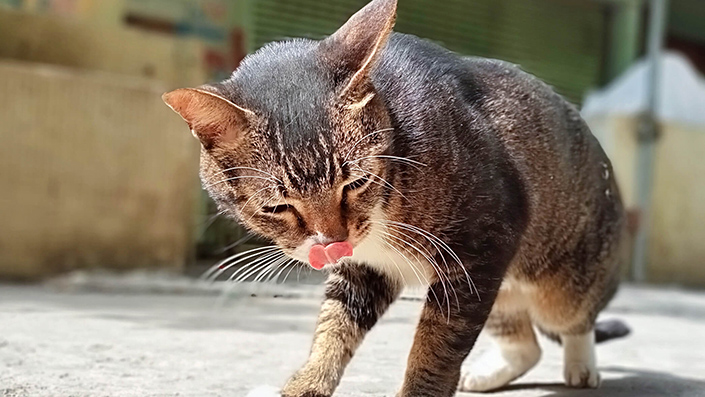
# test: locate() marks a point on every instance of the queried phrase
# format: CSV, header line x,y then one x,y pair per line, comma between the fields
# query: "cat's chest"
x,y
398,262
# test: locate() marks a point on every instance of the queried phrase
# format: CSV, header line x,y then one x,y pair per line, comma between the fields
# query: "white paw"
x,y
497,368
581,375
580,368
480,383
264,391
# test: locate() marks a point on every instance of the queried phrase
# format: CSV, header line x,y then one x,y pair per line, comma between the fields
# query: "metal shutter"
x,y
561,41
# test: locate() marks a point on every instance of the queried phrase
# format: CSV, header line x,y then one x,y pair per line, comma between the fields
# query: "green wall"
x,y
686,19
561,41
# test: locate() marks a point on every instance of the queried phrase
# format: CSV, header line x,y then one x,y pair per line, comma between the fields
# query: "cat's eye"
x,y
358,183
276,209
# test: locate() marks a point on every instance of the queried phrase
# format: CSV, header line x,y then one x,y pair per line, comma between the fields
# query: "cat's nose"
x,y
321,255
330,230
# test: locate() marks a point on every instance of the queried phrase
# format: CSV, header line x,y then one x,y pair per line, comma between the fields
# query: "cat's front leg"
x,y
451,320
355,298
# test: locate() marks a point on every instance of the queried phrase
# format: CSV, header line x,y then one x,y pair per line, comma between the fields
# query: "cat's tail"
x,y
610,329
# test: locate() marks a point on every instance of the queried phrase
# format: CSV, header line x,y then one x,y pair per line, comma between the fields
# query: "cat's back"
x,y
418,75
567,176
541,132
415,73
525,114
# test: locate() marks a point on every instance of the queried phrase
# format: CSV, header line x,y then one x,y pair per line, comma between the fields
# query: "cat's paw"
x,y
264,391
497,368
581,375
480,383
580,368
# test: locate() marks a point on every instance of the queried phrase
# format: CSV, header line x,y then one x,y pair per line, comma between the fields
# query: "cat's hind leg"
x,y
579,364
569,318
516,351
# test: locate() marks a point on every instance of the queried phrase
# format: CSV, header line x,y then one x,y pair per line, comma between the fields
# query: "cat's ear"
x,y
355,47
212,119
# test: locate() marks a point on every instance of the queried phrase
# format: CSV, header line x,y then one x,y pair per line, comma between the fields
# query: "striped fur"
x,y
465,175
356,297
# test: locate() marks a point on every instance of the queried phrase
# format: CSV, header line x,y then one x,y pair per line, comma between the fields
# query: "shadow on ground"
x,y
632,383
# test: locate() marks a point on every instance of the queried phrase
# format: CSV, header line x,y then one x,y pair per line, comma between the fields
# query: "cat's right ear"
x,y
214,120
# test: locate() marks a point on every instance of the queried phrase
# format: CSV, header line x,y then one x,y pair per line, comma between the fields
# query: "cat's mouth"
x,y
321,255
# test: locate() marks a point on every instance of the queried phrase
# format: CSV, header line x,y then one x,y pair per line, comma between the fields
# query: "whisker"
x,y
428,259
436,248
249,168
411,162
254,266
445,246
457,301
394,262
295,264
433,264
249,269
237,177
429,234
222,264
383,180
414,269
371,180
211,220
360,140
242,240
298,274
262,270
283,267
272,268
253,196
248,266
267,204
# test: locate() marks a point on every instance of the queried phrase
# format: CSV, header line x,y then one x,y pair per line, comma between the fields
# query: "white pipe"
x,y
647,134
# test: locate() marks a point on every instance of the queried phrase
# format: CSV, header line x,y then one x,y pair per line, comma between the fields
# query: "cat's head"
x,y
293,143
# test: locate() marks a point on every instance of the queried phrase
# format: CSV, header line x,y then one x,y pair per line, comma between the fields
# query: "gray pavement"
x,y
183,341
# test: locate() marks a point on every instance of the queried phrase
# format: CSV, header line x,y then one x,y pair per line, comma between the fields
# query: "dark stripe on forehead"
x,y
306,168
331,168
294,181
240,199
345,171
320,171
274,139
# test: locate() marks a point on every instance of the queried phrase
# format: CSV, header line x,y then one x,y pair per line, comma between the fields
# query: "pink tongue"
x,y
320,256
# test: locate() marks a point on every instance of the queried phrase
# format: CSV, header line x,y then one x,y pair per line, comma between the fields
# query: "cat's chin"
x,y
264,391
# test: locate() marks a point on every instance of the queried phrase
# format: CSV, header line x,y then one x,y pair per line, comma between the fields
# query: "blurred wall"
x,y
67,42
145,47
96,171
676,244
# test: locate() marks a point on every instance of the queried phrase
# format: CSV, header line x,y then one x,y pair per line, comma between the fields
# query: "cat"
x,y
386,160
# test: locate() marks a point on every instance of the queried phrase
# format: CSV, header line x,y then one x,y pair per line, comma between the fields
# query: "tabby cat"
x,y
386,160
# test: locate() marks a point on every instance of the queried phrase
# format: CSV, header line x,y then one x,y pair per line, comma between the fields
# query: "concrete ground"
x,y
110,340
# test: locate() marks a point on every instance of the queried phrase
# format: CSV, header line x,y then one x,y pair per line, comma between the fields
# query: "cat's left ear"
x,y
354,48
